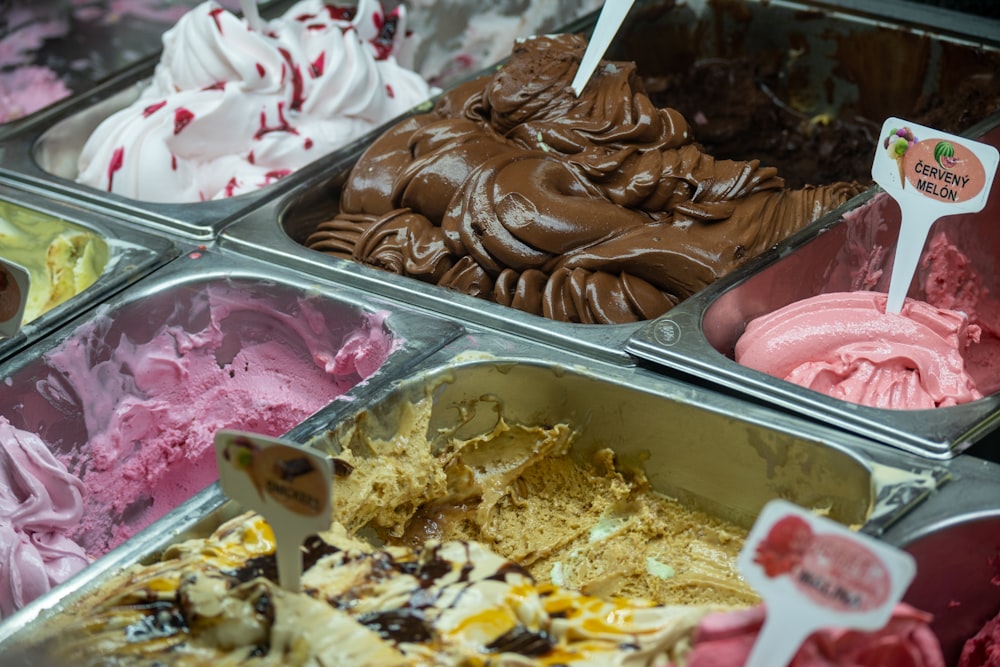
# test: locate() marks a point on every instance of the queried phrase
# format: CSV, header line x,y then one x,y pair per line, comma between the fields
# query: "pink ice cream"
x,y
983,650
232,107
949,280
846,346
152,405
40,506
724,640
26,87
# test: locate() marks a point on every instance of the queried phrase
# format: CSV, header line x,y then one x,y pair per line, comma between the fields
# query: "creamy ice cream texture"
x,y
62,259
847,346
934,353
983,649
597,209
231,109
151,404
152,407
500,549
725,640
41,505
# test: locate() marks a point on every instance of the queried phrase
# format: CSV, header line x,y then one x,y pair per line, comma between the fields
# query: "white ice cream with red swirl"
x,y
234,106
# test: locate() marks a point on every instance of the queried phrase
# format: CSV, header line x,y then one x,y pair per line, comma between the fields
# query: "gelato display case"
x,y
355,305
75,259
847,253
785,52
122,404
537,432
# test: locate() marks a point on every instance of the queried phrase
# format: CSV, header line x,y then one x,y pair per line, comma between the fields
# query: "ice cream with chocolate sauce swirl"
x,y
596,209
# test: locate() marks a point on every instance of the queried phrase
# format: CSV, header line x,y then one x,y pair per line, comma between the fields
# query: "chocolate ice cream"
x,y
599,209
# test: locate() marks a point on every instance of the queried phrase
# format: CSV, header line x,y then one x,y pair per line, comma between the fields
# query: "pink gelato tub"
x,y
955,540
108,425
844,254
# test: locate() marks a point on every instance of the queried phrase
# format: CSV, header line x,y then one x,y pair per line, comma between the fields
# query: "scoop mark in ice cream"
x,y
847,346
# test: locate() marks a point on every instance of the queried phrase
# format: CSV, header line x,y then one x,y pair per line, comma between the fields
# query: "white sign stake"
x,y
252,15
287,484
814,573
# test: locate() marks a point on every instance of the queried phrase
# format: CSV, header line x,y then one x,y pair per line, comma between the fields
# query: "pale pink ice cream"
x,y
949,280
845,345
232,107
724,639
40,506
26,87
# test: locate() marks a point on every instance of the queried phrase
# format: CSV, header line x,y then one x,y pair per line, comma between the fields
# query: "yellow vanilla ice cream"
x,y
62,259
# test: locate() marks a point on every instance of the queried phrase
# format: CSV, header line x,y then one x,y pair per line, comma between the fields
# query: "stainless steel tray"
x,y
131,254
39,396
698,337
955,539
43,155
701,447
696,29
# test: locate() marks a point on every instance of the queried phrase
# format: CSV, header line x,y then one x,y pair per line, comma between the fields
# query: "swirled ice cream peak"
x,y
231,109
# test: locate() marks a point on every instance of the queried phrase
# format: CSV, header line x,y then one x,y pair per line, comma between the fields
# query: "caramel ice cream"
x,y
598,209
520,491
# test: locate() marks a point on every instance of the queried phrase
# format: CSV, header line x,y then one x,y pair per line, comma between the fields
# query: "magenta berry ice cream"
x,y
114,426
233,107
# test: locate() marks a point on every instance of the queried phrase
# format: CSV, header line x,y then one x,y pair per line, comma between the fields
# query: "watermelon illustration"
x,y
944,154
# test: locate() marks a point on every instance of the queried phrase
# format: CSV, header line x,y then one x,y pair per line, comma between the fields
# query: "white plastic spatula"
x,y
931,175
251,14
613,13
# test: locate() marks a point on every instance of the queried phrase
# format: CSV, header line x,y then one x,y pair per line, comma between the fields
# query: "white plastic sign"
x,y
14,284
814,573
931,174
287,484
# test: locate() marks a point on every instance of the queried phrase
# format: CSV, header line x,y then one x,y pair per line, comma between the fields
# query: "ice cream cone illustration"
x,y
897,143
